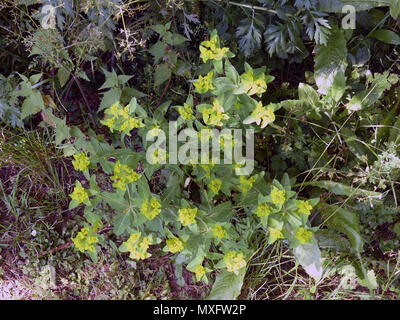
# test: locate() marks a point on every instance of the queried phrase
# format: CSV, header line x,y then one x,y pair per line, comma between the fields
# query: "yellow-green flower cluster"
x,y
118,118
253,84
187,216
210,50
304,207
263,210
199,271
278,196
246,184
263,115
204,84
185,111
215,185
137,246
234,261
151,208
123,175
215,114
86,240
219,231
303,235
274,234
81,162
80,195
174,245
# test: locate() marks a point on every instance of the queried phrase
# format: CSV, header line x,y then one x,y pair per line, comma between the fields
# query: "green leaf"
x,y
158,51
122,223
342,189
386,36
395,9
309,257
162,74
63,76
331,64
346,221
32,104
227,285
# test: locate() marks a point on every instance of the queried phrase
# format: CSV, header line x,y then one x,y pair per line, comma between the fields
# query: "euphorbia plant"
x,y
206,232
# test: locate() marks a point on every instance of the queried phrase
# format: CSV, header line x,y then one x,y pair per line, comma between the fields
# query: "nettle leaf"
x,y
330,65
346,221
373,93
227,285
32,104
158,51
309,257
249,36
162,74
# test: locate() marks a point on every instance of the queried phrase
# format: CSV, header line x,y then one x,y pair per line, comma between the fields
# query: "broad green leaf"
x,y
344,220
341,189
331,64
162,74
395,9
32,104
158,51
227,285
122,222
309,257
386,36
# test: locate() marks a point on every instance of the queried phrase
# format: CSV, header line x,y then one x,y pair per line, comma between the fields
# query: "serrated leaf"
x,y
158,51
330,65
162,74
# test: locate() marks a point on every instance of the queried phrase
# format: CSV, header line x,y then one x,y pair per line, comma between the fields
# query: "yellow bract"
x,y
304,207
204,84
186,112
263,115
118,118
253,85
174,245
246,184
210,50
123,175
219,231
200,271
79,194
215,185
262,210
187,216
151,209
234,261
274,234
138,245
85,240
278,196
81,161
215,114
303,235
